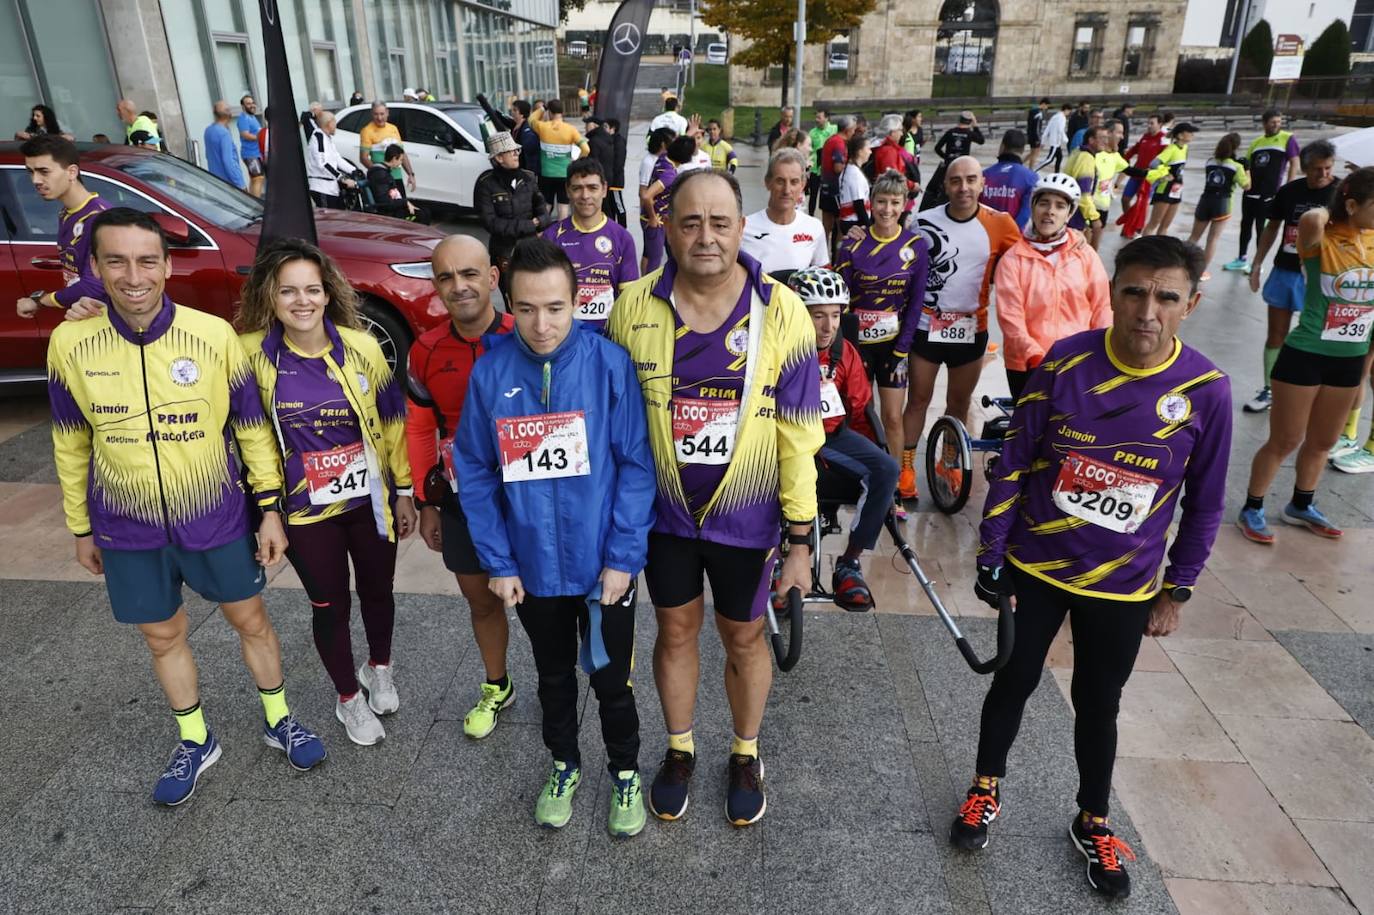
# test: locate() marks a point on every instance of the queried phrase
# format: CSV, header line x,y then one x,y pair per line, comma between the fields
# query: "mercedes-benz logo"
x,y
626,38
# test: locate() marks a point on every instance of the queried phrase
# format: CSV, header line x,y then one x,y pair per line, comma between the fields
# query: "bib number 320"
x,y
704,430
543,447
1104,494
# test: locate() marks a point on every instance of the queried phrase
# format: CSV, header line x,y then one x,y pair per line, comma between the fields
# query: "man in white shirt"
x,y
1054,140
780,237
325,169
669,117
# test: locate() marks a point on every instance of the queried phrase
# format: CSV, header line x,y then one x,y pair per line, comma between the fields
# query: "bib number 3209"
x,y
704,430
543,447
1104,494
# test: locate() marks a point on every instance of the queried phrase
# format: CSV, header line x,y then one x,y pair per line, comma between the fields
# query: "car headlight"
x,y
419,270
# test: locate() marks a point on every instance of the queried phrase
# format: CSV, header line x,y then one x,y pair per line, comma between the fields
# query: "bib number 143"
x,y
543,447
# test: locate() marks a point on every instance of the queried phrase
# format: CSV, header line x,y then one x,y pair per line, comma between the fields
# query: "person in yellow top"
x,y
557,141
147,397
1222,176
339,416
1081,166
376,136
1166,177
723,158
1109,164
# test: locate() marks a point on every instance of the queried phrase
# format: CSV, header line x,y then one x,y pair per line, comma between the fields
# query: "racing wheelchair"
x,y
836,490
950,450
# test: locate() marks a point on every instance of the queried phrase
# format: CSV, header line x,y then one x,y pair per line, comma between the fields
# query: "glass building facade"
x,y
56,54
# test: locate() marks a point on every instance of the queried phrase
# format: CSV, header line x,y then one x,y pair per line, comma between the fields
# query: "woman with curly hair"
x,y
42,120
339,416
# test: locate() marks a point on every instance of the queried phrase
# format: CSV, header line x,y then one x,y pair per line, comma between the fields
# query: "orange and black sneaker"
x,y
906,481
1104,851
970,829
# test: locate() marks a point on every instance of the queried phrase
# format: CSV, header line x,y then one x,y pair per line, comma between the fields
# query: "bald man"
x,y
222,157
436,384
966,238
137,123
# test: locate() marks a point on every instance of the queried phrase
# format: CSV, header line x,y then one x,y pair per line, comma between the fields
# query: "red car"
x,y
213,229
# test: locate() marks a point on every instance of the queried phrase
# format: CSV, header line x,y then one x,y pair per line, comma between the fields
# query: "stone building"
x,y
915,49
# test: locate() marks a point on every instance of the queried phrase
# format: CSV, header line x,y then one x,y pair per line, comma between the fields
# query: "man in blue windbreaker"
x,y
552,457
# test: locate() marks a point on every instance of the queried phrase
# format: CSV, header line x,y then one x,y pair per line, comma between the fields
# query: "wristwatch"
x,y
799,539
1179,594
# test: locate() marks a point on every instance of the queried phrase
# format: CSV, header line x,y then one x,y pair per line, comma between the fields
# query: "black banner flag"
x,y
620,53
289,212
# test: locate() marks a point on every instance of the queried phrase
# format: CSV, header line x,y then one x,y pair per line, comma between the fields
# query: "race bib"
x,y
831,404
704,430
1176,190
446,455
1104,494
876,326
952,327
1290,238
336,475
594,302
1348,323
545,446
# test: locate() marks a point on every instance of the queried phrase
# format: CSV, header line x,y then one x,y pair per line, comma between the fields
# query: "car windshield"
x,y
203,194
472,120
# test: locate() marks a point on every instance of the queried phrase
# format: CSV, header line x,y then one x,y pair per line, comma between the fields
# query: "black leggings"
x,y
553,625
1016,381
1106,638
1252,213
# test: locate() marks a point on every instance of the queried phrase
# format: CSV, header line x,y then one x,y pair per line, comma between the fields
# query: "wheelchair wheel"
x,y
949,464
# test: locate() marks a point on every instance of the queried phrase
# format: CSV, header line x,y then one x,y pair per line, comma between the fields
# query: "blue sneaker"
x,y
1253,525
1312,519
303,749
1239,263
189,760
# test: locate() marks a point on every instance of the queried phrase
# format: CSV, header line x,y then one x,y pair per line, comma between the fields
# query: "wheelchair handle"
x,y
1006,640
788,658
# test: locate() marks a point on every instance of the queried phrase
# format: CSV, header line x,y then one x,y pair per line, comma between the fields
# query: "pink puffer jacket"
x,y
1040,301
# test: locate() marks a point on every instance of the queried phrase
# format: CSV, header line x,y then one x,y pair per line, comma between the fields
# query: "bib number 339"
x,y
1348,323
1104,494
704,430
336,475
545,446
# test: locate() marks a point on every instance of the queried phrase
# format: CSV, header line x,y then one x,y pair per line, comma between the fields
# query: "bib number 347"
x,y
336,475
544,446
704,430
1103,494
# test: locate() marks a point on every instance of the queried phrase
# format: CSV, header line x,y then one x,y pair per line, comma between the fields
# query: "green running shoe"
x,y
627,805
554,807
481,721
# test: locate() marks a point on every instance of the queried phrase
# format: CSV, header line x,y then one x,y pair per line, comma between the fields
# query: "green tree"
x,y
1257,51
569,6
767,24
1330,53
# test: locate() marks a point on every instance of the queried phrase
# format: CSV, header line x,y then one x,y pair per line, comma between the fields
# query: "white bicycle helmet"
x,y
819,286
1058,183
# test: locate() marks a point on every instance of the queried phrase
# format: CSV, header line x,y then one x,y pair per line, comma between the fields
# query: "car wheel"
x,y
395,338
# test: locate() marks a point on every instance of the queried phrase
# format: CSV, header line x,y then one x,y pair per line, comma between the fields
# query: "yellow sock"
x,y
274,704
1352,424
1089,819
191,724
908,458
683,742
744,747
986,782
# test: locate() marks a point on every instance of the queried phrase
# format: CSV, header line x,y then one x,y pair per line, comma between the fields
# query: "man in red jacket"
x,y
849,450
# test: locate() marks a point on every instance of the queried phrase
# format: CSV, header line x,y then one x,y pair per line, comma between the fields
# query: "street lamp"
x,y
797,70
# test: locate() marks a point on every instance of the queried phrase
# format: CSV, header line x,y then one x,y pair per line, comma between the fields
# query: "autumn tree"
x,y
767,24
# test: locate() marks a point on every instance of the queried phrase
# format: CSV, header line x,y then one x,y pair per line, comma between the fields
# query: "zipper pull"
x,y
548,379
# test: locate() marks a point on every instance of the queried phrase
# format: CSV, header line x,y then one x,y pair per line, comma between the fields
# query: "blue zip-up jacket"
x,y
558,534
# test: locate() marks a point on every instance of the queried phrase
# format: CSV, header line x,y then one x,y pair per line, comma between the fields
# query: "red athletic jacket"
x,y
851,381
436,385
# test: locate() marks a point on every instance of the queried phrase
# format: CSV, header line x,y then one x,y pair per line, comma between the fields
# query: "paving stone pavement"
x,y
1245,779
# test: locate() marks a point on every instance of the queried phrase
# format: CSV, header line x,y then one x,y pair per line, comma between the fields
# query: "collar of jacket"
x,y
275,339
161,321
663,288
1009,157
559,354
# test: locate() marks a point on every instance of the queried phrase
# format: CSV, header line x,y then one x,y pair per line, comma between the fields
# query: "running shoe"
x,y
359,721
851,591
1344,445
1206,275
970,828
1097,843
668,795
1239,263
744,799
1312,519
303,748
1358,461
1253,525
379,683
189,761
481,721
627,805
953,477
899,510
906,483
1261,402
554,807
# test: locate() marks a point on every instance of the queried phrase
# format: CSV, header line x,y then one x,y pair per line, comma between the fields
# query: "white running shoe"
x,y
362,726
1344,445
380,686
1261,402
1358,461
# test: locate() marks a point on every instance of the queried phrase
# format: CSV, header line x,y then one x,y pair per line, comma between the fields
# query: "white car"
x,y
446,142
716,53
839,60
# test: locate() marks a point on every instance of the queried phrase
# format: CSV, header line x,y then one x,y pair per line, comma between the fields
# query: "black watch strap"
x,y
799,539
